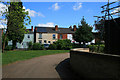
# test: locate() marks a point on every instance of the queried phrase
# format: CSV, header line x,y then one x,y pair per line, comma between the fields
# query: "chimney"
x,y
56,27
70,27
32,28
35,28
74,28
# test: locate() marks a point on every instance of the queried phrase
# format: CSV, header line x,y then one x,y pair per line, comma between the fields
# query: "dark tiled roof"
x,y
52,30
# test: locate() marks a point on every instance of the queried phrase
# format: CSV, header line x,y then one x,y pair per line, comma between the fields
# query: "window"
x,y
40,41
53,36
61,36
49,42
53,41
28,36
45,41
40,35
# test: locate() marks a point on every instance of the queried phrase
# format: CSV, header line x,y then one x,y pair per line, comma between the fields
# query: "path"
x,y
50,66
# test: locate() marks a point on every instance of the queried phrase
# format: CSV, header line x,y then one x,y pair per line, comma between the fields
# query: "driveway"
x,y
50,66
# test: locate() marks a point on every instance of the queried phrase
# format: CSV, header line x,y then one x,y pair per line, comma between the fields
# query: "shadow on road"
x,y
64,70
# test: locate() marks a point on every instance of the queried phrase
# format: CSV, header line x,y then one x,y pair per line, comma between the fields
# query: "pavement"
x,y
51,66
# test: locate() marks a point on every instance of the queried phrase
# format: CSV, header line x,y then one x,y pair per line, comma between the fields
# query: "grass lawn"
x,y
13,56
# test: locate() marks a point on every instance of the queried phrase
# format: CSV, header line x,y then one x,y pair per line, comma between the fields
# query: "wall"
x,y
64,36
112,33
95,66
47,37
24,44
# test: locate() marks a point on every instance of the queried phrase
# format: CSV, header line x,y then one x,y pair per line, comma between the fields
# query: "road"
x,y
51,66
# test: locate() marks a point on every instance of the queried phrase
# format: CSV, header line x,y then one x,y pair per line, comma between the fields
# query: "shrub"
x,y
30,44
52,47
8,47
61,45
37,46
97,48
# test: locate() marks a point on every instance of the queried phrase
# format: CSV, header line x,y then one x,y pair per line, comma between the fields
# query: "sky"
x,y
63,14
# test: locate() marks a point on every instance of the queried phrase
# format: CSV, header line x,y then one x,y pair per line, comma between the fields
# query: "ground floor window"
x,y
40,41
49,42
45,41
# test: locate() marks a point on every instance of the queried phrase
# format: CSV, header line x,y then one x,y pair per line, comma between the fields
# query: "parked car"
x,y
46,45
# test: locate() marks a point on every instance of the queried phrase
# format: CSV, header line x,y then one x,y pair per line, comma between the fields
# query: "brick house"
x,y
48,35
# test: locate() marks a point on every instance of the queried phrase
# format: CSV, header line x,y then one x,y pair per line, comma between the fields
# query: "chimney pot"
x,y
56,27
32,28
74,27
35,28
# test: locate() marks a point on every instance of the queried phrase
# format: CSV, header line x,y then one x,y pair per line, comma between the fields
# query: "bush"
x,y
97,48
37,46
52,47
8,48
30,44
61,45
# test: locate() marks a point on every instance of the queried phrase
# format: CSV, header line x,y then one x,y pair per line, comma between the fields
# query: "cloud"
x,y
33,13
3,8
49,24
2,26
116,10
77,6
55,7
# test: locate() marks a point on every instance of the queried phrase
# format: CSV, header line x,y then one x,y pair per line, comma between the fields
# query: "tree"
x,y
99,26
17,19
83,33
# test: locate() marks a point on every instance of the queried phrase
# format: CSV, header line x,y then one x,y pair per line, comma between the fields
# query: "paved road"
x,y
50,66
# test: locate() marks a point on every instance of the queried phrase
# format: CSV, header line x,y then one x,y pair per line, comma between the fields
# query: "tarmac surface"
x,y
51,66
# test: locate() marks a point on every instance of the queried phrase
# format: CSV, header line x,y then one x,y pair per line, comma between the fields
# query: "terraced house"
x,y
48,35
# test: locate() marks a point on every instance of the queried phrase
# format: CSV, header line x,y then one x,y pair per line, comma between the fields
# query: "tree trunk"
x,y
3,47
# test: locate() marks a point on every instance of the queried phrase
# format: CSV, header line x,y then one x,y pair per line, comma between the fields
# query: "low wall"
x,y
95,66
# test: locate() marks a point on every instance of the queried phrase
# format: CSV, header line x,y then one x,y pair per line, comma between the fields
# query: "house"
x,y
29,37
49,35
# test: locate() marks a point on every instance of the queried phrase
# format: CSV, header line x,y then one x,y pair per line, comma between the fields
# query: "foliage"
x,y
37,46
83,33
8,47
17,20
99,26
97,48
61,45
52,47
13,56
30,44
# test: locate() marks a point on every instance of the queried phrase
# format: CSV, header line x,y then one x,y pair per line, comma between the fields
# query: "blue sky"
x,y
63,14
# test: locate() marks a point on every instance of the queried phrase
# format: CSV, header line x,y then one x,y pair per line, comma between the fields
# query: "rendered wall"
x,y
93,66
47,37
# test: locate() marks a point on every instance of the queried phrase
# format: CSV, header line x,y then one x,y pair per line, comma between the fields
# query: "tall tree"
x,y
17,19
83,33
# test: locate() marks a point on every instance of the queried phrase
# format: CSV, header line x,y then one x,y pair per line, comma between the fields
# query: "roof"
x,y
30,31
52,30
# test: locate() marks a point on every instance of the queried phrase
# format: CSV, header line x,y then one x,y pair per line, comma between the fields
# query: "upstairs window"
x,y
40,36
53,36
61,36
28,36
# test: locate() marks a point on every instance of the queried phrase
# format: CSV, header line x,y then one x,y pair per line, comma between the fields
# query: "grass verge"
x,y
13,56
